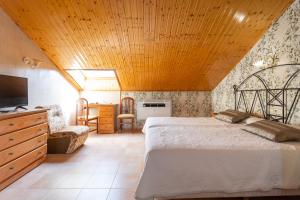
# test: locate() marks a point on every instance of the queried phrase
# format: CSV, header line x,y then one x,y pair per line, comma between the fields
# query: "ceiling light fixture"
x,y
239,16
33,62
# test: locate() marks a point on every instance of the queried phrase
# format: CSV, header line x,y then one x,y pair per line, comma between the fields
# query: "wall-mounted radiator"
x,y
153,109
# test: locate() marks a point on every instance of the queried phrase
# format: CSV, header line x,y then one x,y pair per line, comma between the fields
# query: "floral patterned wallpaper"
x,y
279,45
184,103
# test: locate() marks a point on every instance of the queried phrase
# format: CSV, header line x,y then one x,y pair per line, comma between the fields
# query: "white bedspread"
x,y
185,160
182,121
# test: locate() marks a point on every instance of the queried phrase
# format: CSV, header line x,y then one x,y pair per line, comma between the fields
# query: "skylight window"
x,y
95,80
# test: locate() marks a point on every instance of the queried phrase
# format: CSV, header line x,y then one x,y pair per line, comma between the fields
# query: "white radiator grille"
x,y
153,109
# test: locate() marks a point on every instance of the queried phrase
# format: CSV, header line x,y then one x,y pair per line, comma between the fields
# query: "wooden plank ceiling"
x,y
152,44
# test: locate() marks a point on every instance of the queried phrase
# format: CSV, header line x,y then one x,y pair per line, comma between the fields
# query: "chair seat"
x,y
68,139
75,130
83,118
126,116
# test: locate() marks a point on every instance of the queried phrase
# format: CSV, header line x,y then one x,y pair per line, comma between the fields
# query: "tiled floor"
x,y
106,168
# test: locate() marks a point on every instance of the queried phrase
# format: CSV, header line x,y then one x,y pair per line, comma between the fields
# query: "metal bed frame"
x,y
273,97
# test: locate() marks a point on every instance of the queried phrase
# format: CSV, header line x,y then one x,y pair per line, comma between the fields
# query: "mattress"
x,y
187,160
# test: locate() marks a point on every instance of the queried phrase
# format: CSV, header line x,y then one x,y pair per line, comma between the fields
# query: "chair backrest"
x,y
56,120
82,109
127,105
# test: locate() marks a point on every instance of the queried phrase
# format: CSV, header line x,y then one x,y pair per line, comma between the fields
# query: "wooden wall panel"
x,y
152,44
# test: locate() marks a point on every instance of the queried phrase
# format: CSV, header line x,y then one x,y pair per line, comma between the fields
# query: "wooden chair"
x,y
126,115
83,115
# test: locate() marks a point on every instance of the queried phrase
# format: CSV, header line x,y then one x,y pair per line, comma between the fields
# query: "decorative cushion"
x,y
125,116
232,116
56,119
75,129
251,119
273,131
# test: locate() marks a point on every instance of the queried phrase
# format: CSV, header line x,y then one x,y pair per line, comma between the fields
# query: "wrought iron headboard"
x,y
284,98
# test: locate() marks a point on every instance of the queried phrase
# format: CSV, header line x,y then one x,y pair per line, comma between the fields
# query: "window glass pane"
x,y
95,79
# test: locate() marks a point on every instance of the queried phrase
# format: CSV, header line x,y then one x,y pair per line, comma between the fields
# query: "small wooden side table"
x,y
107,117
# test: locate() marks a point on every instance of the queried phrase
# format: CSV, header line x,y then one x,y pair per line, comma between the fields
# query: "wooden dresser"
x,y
107,117
23,143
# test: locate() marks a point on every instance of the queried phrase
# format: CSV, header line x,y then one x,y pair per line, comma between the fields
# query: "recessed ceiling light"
x,y
239,16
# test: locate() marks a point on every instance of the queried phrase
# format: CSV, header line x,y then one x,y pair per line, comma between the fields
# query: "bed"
x,y
186,160
205,157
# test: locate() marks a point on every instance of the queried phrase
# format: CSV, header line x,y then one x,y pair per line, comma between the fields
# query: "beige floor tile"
x,y
100,181
93,194
126,180
121,194
62,194
47,181
107,167
130,167
23,194
74,181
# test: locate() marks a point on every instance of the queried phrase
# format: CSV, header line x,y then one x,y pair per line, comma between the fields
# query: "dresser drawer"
x,y
110,109
106,120
17,137
107,128
14,152
14,124
106,114
13,167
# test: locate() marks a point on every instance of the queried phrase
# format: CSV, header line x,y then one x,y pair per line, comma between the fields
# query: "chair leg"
x,y
132,121
120,126
97,124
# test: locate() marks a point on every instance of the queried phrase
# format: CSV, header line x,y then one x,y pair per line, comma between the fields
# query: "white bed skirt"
x,y
274,192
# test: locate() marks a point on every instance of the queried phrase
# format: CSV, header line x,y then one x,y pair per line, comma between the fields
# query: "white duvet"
x,y
185,160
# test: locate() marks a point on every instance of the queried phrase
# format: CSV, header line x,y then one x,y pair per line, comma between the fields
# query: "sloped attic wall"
x,y
45,84
279,45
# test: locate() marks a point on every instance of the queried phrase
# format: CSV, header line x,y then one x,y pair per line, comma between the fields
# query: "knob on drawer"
x,y
11,139
11,167
11,124
11,153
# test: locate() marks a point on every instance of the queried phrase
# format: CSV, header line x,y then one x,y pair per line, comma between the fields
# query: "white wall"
x,y
46,84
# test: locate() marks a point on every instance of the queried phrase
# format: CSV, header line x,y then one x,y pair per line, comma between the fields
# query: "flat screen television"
x,y
13,91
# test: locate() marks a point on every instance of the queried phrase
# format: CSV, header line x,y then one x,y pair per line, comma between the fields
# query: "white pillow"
x,y
250,120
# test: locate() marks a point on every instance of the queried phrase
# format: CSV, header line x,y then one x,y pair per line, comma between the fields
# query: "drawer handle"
x,y
39,141
11,153
39,153
39,118
11,168
11,139
11,124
